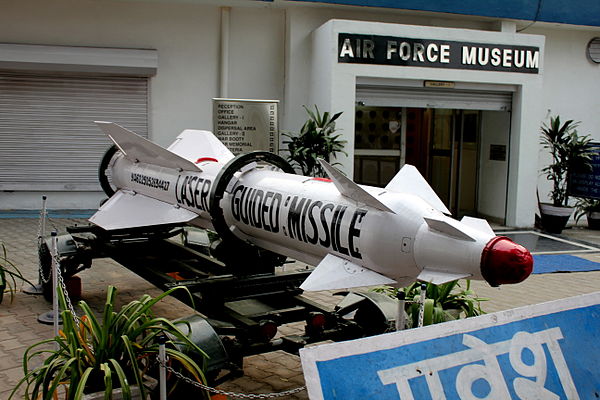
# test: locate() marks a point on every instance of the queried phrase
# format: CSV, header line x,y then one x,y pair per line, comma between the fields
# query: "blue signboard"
x,y
547,351
587,184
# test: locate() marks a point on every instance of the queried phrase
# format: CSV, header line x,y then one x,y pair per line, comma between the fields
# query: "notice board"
x,y
587,183
245,125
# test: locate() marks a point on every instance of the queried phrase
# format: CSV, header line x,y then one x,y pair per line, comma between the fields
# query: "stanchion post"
x,y
38,289
400,320
162,361
422,304
43,217
55,272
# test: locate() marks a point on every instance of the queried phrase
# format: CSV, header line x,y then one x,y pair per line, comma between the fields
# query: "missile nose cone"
x,y
504,261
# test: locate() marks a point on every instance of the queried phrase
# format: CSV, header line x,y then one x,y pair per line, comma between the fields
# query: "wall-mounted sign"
x,y
439,84
497,152
392,50
247,125
587,183
546,351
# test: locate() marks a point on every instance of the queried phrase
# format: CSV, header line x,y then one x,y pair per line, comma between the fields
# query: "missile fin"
x,y
351,190
439,277
409,180
194,145
334,272
449,227
479,224
125,210
136,148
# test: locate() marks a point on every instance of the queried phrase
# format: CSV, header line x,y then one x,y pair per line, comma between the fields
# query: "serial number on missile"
x,y
308,221
150,181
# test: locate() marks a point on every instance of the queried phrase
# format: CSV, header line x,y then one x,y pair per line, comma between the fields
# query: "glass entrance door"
x,y
442,143
453,158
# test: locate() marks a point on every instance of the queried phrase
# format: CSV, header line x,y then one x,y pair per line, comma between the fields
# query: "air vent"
x,y
593,50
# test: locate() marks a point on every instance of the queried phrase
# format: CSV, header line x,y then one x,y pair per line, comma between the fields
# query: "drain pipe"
x,y
224,70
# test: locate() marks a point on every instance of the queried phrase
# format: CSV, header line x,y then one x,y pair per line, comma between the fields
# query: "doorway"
x,y
449,160
444,144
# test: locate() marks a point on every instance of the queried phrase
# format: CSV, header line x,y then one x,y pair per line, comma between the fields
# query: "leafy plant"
x,y
445,302
98,355
585,206
315,140
569,151
9,273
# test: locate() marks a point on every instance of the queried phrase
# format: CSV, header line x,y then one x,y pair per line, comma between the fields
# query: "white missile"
x,y
355,235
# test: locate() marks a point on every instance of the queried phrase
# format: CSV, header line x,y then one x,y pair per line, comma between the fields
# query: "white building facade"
x,y
460,93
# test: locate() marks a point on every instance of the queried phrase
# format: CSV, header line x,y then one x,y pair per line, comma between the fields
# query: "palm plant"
x,y
315,140
93,355
570,152
589,207
445,302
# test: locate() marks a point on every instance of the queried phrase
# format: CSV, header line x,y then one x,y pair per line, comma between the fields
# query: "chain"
x,y
63,287
231,394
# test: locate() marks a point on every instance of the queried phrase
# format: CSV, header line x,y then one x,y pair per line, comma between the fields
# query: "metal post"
x,y
38,289
162,361
400,320
422,304
55,267
43,217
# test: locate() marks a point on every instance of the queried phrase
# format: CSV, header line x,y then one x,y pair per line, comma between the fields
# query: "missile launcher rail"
x,y
241,312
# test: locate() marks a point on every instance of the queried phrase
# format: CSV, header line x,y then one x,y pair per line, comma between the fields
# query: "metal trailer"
x,y
241,302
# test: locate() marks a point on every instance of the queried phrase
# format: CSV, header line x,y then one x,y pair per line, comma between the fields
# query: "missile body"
x,y
355,235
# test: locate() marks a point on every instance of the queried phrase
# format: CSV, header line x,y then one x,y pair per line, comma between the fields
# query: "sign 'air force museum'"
x,y
390,50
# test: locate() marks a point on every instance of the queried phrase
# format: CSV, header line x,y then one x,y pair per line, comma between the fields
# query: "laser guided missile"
x,y
355,235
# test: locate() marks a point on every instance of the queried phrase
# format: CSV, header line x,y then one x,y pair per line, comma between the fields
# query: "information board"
x,y
247,125
546,351
587,184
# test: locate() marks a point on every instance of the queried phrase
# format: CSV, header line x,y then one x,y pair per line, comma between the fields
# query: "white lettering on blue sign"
x,y
529,385
543,351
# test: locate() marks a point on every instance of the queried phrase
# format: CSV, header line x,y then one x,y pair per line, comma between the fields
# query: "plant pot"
x,y
117,394
593,220
554,219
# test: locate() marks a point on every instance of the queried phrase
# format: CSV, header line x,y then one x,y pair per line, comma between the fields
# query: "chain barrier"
x,y
62,285
231,394
43,280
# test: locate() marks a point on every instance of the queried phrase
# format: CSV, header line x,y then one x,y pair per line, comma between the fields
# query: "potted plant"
x,y
94,355
445,302
570,152
591,209
9,273
315,140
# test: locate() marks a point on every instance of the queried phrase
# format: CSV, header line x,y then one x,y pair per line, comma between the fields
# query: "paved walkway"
x,y
271,372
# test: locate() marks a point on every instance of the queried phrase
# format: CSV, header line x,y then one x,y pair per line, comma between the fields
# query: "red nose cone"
x,y
504,261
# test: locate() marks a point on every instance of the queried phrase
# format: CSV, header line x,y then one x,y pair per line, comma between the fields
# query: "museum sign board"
x,y
435,53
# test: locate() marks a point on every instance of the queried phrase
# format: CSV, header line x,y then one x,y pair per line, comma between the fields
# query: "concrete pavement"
x,y
265,373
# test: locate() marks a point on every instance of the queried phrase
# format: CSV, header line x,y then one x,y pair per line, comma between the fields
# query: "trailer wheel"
x,y
373,312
